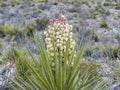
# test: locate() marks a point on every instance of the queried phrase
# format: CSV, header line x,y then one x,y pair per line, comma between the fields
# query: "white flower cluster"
x,y
57,36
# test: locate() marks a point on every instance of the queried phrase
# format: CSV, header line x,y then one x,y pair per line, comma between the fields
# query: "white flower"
x,y
52,54
48,42
66,39
49,31
57,40
57,45
49,45
47,39
57,33
60,44
66,30
61,48
74,55
73,42
62,16
64,47
71,46
64,42
62,38
53,64
64,35
51,48
70,36
67,34
61,41
70,27
71,33
45,32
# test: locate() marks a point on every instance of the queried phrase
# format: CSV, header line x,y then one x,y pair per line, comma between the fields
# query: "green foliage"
x,y
116,69
55,3
95,37
91,49
116,32
37,11
93,70
9,56
20,63
9,30
112,51
88,51
106,3
117,6
103,24
40,76
41,23
1,44
2,4
99,10
30,30
107,12
75,14
119,16
14,2
12,30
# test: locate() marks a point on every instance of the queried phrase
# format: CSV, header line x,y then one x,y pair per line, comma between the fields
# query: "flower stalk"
x,y
58,35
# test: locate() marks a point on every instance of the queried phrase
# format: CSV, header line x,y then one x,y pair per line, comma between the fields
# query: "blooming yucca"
x,y
58,34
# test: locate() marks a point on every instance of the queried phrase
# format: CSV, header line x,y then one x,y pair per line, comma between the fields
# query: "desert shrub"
x,y
1,44
95,37
36,11
116,32
20,63
103,24
9,30
107,12
117,6
55,3
99,10
116,69
106,3
89,51
112,51
75,14
65,75
3,4
30,30
14,2
42,23
93,70
8,56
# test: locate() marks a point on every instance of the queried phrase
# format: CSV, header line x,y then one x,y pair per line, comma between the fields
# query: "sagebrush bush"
x,y
9,30
30,30
112,52
103,24
42,23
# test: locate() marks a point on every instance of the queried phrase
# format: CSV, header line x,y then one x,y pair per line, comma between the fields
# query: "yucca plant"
x,y
53,71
